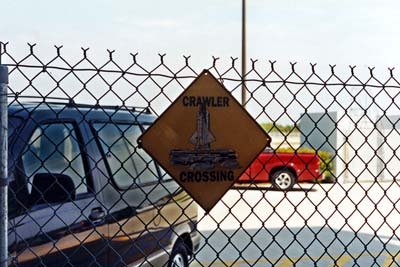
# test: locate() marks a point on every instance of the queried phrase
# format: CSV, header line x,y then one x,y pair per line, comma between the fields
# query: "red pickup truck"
x,y
283,170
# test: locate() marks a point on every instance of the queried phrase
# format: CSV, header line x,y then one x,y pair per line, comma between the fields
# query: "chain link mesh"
x,y
69,118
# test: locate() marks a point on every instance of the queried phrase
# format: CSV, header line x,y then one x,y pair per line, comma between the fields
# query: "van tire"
x,y
179,256
283,180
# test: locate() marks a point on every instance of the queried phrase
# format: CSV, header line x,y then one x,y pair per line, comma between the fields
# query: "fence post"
x,y
3,167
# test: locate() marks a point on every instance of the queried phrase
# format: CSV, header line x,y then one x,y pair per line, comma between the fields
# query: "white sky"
x,y
342,32
362,32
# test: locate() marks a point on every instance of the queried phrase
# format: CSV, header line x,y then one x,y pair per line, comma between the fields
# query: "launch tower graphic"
x,y
203,157
203,137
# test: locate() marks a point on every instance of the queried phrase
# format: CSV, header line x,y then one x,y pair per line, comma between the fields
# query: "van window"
x,y
128,163
16,198
13,123
54,148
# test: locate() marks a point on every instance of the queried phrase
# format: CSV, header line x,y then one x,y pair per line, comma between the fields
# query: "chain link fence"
x,y
82,193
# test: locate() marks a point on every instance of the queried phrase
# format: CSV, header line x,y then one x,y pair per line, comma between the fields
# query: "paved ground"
x,y
313,225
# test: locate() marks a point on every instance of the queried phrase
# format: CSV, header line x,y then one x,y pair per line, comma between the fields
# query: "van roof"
x,y
89,112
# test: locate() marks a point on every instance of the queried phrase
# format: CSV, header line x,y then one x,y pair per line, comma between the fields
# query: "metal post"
x,y
244,91
3,167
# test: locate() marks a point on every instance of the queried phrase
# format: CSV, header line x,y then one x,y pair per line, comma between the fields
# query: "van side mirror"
x,y
52,188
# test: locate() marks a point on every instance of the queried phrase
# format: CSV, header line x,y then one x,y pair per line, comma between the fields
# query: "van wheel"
x,y
283,180
179,256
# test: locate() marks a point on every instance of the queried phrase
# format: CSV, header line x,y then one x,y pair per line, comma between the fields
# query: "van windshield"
x,y
128,163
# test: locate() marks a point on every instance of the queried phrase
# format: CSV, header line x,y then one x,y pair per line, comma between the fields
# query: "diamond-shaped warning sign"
x,y
205,140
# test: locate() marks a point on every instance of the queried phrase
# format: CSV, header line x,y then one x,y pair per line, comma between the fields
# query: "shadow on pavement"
x,y
304,246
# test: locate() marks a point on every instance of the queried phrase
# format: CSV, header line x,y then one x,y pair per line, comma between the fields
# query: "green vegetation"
x,y
271,127
326,163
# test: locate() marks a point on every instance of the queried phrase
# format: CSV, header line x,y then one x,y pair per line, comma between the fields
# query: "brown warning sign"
x,y
205,140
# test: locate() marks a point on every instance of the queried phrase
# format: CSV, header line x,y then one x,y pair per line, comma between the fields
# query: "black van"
x,y
82,193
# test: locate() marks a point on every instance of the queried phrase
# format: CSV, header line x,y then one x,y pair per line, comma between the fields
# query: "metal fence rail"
x,y
3,164
73,123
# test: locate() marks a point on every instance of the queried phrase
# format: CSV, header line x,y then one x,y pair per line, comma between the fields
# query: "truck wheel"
x,y
283,180
179,256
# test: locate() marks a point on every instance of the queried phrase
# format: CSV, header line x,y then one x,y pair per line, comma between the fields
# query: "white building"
x,y
357,143
389,127
284,140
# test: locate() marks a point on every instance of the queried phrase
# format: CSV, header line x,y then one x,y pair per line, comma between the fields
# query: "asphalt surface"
x,y
312,225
